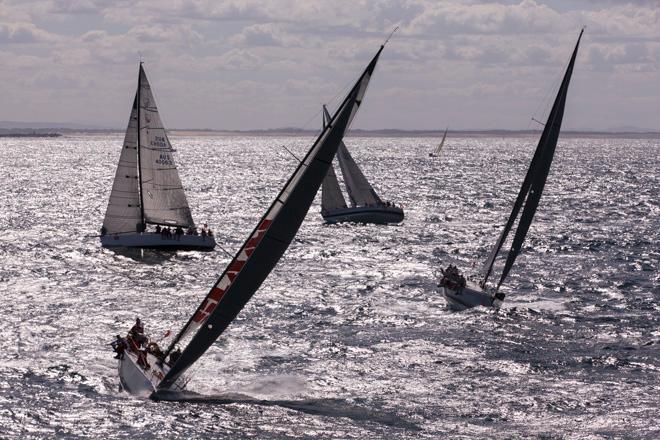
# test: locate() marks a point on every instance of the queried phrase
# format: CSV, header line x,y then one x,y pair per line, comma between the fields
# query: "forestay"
x,y
269,240
123,212
532,187
162,192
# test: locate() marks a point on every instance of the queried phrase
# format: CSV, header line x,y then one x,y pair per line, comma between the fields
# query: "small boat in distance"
x,y
258,255
461,294
438,149
147,190
366,205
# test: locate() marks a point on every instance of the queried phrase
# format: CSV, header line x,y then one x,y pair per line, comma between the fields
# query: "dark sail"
x,y
269,240
532,187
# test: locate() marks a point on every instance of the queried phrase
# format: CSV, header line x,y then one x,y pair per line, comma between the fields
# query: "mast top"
x,y
389,36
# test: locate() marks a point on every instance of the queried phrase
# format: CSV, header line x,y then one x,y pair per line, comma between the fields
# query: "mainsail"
x,y
269,240
442,143
532,187
123,213
162,192
331,196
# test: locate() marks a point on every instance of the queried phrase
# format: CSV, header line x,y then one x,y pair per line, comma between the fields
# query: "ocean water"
x,y
349,336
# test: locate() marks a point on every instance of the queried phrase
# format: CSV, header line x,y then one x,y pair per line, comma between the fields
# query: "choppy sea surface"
x,y
349,336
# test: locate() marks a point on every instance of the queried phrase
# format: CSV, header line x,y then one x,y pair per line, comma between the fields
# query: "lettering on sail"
x,y
219,290
164,159
159,141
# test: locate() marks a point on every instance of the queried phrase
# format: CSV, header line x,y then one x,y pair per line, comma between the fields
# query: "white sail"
x,y
123,213
162,192
331,196
358,187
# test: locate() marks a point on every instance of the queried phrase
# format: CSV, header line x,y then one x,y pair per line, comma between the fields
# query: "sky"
x,y
259,64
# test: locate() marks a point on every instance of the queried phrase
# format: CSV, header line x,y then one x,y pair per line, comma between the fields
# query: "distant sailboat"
x,y
438,149
252,263
366,205
461,294
147,189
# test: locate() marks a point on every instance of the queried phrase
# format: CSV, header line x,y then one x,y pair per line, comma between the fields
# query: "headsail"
x,y
331,196
123,213
162,192
358,187
269,240
532,187
442,143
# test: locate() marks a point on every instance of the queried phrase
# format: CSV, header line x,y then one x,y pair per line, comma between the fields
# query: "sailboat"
x,y
461,294
438,149
366,205
250,266
147,189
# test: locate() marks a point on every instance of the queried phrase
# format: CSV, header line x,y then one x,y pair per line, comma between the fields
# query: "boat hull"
x,y
141,381
468,297
365,214
156,241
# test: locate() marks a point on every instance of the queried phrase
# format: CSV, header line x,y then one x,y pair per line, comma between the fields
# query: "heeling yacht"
x,y
147,190
438,149
143,368
461,294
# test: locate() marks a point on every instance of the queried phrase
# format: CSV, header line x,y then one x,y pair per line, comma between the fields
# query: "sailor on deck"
x,y
137,333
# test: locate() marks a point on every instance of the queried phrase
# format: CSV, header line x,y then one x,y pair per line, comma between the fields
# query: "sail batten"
x,y
532,188
268,241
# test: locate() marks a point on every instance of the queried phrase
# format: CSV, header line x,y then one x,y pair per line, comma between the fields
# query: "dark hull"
x,y
147,240
365,214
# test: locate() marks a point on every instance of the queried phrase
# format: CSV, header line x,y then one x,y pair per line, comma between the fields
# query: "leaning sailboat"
x,y
438,149
366,205
460,294
148,207
250,266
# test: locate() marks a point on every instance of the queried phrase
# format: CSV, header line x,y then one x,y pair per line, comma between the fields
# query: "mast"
x,y
269,239
534,182
139,104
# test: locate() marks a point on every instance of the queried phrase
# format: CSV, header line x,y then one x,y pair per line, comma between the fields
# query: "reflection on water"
x,y
348,337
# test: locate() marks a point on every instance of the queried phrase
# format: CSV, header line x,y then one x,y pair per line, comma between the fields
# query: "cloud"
x,y
264,63
24,33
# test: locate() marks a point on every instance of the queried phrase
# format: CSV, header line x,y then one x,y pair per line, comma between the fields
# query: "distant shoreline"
x,y
294,132
27,134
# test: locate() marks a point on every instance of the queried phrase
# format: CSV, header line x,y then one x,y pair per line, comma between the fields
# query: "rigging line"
x,y
224,250
291,153
344,88
544,105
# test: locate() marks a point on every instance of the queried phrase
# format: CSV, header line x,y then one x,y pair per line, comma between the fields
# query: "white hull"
x,y
468,297
140,381
156,241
